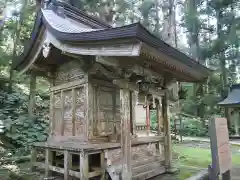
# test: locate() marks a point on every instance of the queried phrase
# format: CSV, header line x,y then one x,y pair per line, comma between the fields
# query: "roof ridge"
x,y
80,13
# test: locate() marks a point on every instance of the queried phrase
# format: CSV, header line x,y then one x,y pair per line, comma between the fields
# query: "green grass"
x,y
190,159
197,157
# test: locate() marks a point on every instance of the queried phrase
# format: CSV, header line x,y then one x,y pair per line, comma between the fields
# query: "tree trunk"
x,y
224,80
16,40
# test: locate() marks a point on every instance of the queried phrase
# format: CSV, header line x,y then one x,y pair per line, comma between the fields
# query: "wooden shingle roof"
x,y
73,27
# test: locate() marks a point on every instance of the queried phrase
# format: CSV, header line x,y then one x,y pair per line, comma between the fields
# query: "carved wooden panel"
x,y
68,72
67,115
57,114
81,111
108,120
70,117
138,152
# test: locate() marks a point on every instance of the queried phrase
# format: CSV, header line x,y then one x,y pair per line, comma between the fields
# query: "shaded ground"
x,y
190,157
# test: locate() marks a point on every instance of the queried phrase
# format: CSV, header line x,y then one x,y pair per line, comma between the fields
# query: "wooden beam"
x,y
167,133
103,167
48,162
52,114
134,87
33,157
67,164
32,95
133,111
159,118
90,110
62,113
84,166
123,84
148,117
69,85
73,111
125,133
137,69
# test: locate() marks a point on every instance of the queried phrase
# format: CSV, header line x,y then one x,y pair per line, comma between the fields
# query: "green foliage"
x,y
190,127
16,126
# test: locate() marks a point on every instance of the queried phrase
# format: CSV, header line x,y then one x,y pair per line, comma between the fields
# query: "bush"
x,y
15,125
191,127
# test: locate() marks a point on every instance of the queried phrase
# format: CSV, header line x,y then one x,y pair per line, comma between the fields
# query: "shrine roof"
x,y
71,26
233,98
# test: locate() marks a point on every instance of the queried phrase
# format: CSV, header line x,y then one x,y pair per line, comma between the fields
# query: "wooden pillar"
x,y
73,112
52,114
102,161
90,112
32,94
159,118
62,113
167,133
148,117
33,158
84,166
125,133
133,112
48,161
67,164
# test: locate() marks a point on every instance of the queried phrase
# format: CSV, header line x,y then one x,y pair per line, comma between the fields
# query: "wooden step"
x,y
149,174
145,160
146,167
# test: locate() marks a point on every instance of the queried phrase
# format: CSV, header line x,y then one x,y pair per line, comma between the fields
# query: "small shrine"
x,y
232,101
98,74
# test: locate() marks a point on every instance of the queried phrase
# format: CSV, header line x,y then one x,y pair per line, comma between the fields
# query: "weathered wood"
x,y
69,85
73,112
148,117
103,167
33,157
67,164
15,159
159,117
52,114
125,132
90,110
32,95
48,161
134,87
133,118
62,113
167,133
84,166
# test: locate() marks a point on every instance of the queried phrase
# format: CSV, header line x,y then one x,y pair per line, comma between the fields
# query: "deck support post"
x,y
84,166
167,133
125,133
48,161
67,164
33,158
159,117
102,161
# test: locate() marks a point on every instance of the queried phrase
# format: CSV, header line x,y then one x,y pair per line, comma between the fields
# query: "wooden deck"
x,y
79,146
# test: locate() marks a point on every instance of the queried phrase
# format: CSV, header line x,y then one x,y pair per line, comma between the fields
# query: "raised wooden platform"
x,y
85,160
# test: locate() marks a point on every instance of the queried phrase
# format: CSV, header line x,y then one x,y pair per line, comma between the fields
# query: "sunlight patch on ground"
x,y
13,168
24,88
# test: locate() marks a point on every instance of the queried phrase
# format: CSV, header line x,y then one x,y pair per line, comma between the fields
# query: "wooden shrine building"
x,y
232,101
97,74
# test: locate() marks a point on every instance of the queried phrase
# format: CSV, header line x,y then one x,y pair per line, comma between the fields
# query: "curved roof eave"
x,y
136,31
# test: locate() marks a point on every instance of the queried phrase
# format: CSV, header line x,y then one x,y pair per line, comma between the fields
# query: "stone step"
x,y
145,160
149,174
146,167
